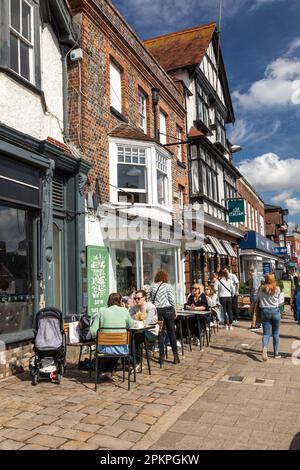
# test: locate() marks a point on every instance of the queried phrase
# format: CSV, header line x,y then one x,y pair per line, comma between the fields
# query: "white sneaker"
x,y
226,327
231,327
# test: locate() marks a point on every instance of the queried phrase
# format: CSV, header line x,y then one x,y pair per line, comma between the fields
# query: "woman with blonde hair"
x,y
196,301
268,297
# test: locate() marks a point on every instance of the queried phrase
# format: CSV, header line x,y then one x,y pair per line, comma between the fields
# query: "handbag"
x,y
74,333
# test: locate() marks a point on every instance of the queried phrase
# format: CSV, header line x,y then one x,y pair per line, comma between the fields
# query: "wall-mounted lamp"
x,y
155,96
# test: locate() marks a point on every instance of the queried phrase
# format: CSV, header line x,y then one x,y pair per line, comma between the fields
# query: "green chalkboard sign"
x,y
98,278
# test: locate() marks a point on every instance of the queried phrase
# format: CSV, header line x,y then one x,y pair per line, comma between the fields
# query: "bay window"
x,y
132,173
21,39
220,129
162,179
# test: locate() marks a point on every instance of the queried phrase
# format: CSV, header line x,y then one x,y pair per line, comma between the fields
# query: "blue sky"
x,y
261,49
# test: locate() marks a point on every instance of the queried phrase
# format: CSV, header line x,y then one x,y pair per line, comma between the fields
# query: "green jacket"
x,y
111,317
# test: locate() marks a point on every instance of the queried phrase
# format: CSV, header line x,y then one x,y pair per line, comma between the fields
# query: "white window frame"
x,y
179,146
181,197
162,127
162,171
22,39
115,80
138,158
142,102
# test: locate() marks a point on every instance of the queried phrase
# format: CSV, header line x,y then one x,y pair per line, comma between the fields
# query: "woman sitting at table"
x,y
196,301
116,317
149,310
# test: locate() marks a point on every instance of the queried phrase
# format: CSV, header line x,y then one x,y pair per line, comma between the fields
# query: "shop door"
x,y
57,265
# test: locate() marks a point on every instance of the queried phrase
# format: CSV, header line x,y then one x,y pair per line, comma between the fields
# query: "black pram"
x,y
49,346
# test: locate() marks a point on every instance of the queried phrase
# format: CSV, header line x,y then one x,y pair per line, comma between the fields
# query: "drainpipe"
x,y
155,100
65,51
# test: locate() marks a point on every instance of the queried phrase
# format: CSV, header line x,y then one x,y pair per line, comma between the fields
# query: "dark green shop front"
x,y
42,234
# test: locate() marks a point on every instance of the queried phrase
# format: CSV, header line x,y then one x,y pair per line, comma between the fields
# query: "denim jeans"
x,y
271,323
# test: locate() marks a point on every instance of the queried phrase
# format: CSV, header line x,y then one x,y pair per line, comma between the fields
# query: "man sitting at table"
x,y
150,313
117,317
197,301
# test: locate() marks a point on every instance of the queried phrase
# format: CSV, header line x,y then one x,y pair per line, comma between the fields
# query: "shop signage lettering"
x,y
236,210
98,278
266,268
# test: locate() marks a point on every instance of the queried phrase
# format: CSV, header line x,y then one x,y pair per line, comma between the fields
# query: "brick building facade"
x,y
125,110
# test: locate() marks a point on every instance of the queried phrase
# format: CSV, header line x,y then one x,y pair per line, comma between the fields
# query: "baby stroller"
x,y
49,346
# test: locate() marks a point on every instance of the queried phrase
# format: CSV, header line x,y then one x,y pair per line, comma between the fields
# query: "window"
x,y
132,173
162,179
115,87
206,174
162,128
143,111
203,106
21,39
195,177
220,129
179,146
262,225
181,197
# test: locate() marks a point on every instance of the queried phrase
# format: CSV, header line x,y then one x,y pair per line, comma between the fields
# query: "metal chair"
x,y
111,338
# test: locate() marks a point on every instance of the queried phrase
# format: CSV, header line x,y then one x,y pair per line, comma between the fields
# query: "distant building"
x,y
276,224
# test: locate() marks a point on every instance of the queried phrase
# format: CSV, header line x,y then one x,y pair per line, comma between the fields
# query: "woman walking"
x,y
162,296
268,296
225,291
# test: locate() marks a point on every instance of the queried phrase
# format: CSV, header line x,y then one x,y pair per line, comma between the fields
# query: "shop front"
x,y
258,252
134,261
40,240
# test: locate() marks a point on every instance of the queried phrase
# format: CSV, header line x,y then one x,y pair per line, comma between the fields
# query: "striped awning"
x,y
208,248
229,248
217,246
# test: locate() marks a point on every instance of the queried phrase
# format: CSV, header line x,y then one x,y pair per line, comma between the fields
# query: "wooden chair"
x,y
88,344
111,338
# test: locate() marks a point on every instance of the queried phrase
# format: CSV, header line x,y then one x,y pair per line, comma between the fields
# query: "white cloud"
x,y
246,131
294,45
277,89
282,197
293,205
270,173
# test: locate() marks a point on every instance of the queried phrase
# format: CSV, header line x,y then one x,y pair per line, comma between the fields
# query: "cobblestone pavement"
x,y
188,406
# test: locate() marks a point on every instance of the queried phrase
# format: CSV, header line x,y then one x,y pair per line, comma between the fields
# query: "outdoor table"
x,y
133,332
186,314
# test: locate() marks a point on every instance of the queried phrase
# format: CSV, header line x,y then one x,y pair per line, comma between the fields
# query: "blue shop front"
x,y
260,253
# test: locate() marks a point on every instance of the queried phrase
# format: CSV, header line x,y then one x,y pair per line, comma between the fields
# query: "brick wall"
x,y
105,36
15,358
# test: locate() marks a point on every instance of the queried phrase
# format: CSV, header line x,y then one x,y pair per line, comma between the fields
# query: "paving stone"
x,y
78,445
48,441
20,435
34,447
110,442
9,444
131,436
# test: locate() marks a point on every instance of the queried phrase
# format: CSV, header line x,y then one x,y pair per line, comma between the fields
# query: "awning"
x,y
208,248
229,248
217,246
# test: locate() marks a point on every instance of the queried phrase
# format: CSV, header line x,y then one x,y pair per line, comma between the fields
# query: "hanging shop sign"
x,y
98,278
236,210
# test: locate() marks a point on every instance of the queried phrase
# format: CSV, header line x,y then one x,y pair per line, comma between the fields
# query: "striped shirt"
x,y
165,296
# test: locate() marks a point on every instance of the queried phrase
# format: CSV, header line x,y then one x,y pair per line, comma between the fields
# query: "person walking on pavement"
x,y
225,297
254,285
235,287
162,296
268,296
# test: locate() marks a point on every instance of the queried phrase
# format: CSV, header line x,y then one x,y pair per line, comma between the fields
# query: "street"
x,y
223,398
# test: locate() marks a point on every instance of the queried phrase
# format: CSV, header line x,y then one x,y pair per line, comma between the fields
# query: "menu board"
x,y
287,289
98,278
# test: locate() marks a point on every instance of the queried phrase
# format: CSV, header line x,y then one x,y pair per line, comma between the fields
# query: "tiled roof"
x,y
124,131
183,48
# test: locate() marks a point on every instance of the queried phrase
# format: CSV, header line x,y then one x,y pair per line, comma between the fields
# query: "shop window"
x,y
16,269
132,173
21,39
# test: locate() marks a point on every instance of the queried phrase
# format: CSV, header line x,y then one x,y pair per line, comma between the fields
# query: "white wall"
x,y
22,108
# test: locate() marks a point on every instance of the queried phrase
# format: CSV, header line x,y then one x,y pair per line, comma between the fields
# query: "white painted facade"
x,y
22,108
